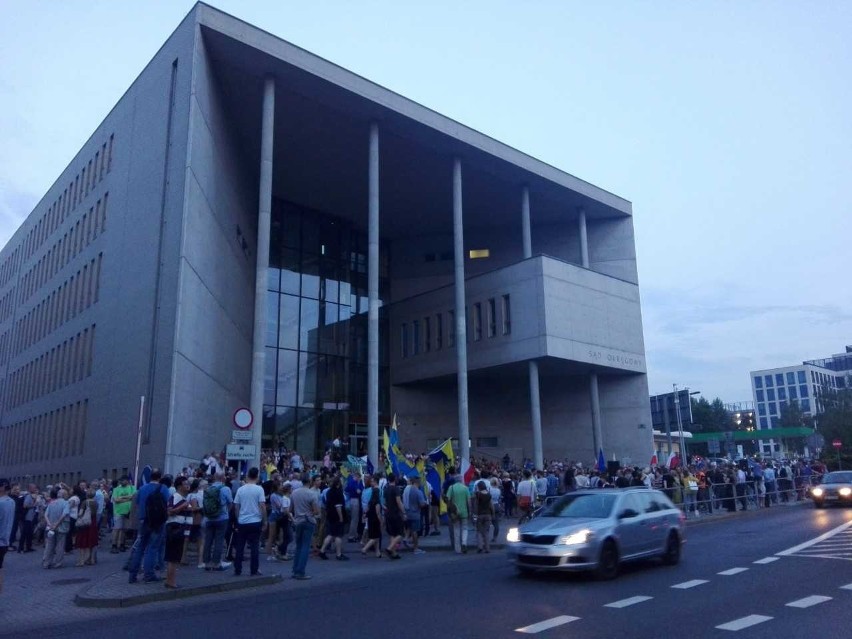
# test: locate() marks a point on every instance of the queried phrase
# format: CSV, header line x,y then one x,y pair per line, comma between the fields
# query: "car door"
x,y
632,529
658,519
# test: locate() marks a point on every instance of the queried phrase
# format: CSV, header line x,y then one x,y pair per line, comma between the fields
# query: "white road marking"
x,y
732,571
846,587
744,622
816,540
767,560
627,602
690,584
807,602
547,624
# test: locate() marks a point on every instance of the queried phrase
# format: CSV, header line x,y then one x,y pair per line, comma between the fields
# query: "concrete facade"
x,y
175,303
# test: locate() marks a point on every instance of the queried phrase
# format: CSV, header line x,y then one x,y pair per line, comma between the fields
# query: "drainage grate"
x,y
69,582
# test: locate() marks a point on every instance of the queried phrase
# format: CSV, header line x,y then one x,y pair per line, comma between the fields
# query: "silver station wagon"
x,y
596,530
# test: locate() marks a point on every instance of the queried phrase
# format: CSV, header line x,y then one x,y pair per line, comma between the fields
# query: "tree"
x,y
710,417
836,419
791,416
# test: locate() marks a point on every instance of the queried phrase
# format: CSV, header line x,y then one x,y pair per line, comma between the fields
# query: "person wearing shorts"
x,y
177,528
122,496
414,501
7,518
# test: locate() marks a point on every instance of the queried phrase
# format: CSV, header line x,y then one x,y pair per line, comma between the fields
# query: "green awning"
x,y
745,435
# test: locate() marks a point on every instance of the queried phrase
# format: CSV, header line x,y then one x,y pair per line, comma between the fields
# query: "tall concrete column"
x,y
264,221
596,412
525,222
461,328
584,240
535,392
373,292
535,413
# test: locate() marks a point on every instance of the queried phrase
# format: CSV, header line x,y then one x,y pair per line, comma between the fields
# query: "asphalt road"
x,y
733,572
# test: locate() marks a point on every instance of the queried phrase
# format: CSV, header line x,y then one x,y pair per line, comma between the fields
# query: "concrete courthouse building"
x,y
252,225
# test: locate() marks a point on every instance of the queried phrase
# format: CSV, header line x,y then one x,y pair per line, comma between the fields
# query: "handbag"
x,y
693,486
85,518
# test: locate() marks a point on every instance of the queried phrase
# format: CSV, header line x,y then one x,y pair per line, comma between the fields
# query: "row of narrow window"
x,y
66,363
68,300
427,334
80,187
53,435
5,340
66,248
7,304
9,267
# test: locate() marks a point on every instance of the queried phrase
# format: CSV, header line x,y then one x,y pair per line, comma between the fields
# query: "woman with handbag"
x,y
86,530
177,528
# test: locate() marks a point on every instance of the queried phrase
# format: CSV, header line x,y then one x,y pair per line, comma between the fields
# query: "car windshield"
x,y
838,478
582,505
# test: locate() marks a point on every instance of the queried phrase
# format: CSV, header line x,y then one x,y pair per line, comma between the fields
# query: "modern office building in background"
x,y
806,383
252,225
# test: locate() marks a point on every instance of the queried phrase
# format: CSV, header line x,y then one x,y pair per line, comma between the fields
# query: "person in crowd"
x,y
177,528
7,520
216,508
483,511
87,530
459,514
250,515
335,505
122,496
526,492
152,505
354,488
285,522
77,496
276,507
305,508
30,519
496,500
56,528
374,524
414,501
17,525
394,514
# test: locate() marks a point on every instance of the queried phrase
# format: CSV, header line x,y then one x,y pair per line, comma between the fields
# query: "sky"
x,y
726,124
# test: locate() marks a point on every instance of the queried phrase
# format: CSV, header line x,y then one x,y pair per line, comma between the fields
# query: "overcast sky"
x,y
727,124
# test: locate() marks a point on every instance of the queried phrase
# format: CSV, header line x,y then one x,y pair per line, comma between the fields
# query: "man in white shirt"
x,y
250,513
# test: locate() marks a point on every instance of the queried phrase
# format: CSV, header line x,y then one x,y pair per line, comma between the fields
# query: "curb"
x,y
709,519
85,599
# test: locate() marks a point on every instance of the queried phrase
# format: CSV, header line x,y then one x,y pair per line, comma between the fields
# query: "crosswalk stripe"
x,y
732,571
846,587
807,602
690,584
828,535
547,624
627,602
767,560
744,622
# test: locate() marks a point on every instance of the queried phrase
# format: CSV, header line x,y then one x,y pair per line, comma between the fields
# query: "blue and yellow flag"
x,y
444,453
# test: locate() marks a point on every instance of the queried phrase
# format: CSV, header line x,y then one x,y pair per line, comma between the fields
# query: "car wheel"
x,y
607,561
819,504
671,556
523,571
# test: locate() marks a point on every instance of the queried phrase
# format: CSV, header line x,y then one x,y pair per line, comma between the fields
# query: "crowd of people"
x,y
211,513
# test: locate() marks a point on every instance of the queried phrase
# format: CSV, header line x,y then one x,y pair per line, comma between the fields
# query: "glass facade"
x,y
315,387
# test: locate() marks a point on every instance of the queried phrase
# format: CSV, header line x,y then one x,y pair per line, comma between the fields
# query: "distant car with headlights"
x,y
598,529
835,489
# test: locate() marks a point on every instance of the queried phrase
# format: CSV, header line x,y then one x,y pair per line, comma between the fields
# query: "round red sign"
x,y
243,418
837,443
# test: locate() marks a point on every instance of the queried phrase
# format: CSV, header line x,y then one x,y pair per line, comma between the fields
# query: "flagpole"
x,y
138,440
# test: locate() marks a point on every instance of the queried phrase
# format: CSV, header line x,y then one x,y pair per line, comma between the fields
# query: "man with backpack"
x,y
216,507
152,500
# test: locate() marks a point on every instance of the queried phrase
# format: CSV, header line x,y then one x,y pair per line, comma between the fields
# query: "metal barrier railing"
x,y
749,495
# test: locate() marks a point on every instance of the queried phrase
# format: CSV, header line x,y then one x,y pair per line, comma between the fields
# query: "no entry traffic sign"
x,y
837,443
243,418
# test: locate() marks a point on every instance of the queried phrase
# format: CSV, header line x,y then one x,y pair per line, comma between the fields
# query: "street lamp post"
x,y
679,426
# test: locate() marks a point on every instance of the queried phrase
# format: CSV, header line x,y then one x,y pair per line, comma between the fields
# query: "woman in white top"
x,y
177,527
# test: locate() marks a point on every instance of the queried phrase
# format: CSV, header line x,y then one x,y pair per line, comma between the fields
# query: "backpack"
x,y
783,472
155,509
212,505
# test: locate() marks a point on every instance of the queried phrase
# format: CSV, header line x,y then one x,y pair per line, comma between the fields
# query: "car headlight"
x,y
574,539
845,491
817,492
513,535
